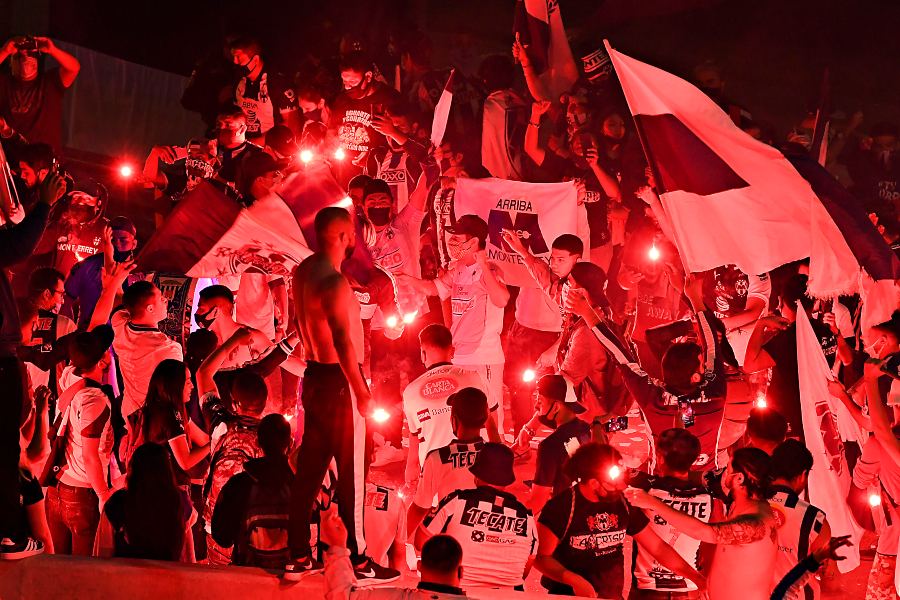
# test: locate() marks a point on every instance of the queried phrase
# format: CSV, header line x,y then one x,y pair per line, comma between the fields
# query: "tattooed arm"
x,y
744,529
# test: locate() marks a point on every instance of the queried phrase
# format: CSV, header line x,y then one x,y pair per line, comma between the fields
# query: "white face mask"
x,y
875,348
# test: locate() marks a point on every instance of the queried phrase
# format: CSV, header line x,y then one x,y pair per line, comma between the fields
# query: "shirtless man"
x,y
335,399
746,546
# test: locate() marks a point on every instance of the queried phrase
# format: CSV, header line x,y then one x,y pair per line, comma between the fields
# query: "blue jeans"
x,y
73,514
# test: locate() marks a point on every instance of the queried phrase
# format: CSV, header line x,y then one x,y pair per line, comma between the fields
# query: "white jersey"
x,y
425,404
476,320
495,530
396,251
384,521
799,524
685,497
445,471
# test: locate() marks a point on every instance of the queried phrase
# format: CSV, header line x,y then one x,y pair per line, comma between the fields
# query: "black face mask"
x,y
445,165
120,256
204,321
379,216
547,421
244,70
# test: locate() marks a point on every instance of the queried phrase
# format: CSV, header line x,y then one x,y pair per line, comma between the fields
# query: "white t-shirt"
x,y
476,320
535,309
396,250
139,350
495,530
446,470
384,522
89,417
255,303
64,326
425,404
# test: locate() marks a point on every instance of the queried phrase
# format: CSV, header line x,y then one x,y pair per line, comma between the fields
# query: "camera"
x,y
29,44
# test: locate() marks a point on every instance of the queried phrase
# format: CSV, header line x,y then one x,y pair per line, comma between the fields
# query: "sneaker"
x,y
387,454
10,550
368,572
299,568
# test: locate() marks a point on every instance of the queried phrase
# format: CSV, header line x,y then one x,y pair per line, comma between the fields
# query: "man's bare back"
x,y
325,307
745,555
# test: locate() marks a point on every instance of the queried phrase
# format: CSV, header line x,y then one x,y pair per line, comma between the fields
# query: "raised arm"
x,y
537,268
532,134
336,304
112,282
208,368
496,289
68,64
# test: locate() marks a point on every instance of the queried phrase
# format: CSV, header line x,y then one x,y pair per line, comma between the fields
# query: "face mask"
x,y
445,165
79,213
121,257
246,69
205,320
546,421
874,350
357,91
379,216
459,251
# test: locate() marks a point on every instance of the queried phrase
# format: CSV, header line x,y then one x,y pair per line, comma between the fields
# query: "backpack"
x,y
235,447
264,540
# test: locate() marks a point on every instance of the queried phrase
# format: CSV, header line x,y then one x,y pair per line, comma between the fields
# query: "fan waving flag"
x,y
442,112
829,480
538,26
208,234
730,198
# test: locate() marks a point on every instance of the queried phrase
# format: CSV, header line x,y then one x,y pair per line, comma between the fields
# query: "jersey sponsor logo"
x,y
377,498
496,522
423,415
439,388
697,509
392,259
459,305
393,175
43,324
599,543
461,460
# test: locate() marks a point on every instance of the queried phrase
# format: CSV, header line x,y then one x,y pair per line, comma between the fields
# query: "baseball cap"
x,y
892,325
494,465
122,223
281,140
556,387
470,225
469,405
88,347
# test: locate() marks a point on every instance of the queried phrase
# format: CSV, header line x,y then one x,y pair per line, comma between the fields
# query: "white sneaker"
x,y
10,550
387,454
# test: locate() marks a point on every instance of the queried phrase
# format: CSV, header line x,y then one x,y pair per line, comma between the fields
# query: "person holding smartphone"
x,y
693,389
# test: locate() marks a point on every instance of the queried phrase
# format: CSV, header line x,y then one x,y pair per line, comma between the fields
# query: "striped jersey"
x,y
445,471
799,525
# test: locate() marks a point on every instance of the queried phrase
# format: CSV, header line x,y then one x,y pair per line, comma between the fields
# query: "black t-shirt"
x,y
231,159
555,450
34,108
351,120
591,537
162,424
264,100
784,390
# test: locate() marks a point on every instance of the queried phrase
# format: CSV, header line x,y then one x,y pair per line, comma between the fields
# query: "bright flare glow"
x,y
126,171
288,417
614,472
400,494
761,401
339,154
379,415
306,156
345,202
653,253
529,375
410,317
392,321
874,500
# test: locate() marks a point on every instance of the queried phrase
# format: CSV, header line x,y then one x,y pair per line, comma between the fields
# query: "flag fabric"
x,y
539,27
208,234
442,112
730,198
538,212
829,479
819,147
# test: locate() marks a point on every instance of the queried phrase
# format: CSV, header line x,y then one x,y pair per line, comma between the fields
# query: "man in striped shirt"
x,y
802,527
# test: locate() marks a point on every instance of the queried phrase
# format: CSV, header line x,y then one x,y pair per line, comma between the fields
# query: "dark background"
x,y
773,51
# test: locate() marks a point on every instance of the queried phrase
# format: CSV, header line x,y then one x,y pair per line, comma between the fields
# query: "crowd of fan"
x,y
635,385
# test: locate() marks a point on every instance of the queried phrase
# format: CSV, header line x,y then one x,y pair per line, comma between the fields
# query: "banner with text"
x,y
538,212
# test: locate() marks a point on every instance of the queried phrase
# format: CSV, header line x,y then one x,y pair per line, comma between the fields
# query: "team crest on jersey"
x,y
740,286
603,522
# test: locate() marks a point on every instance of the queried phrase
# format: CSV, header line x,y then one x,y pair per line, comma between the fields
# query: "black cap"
x,y
88,347
494,465
470,406
557,388
121,223
892,325
281,140
470,225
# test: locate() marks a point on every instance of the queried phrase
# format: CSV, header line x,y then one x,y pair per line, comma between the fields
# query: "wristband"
x,y
528,430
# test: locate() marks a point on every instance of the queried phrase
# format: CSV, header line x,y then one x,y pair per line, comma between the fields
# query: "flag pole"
x,y
648,154
819,141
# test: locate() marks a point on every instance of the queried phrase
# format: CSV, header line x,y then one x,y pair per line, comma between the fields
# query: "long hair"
x,y
154,517
165,395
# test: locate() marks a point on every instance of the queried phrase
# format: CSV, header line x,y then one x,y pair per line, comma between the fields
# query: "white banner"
x,y
538,212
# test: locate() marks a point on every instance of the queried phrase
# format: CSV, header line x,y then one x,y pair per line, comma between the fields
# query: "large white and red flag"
x,y
537,212
730,198
209,234
823,419
442,111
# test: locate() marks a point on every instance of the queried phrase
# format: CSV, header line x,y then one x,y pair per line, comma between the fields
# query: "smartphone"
x,y
891,365
586,142
377,110
29,44
616,424
686,412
